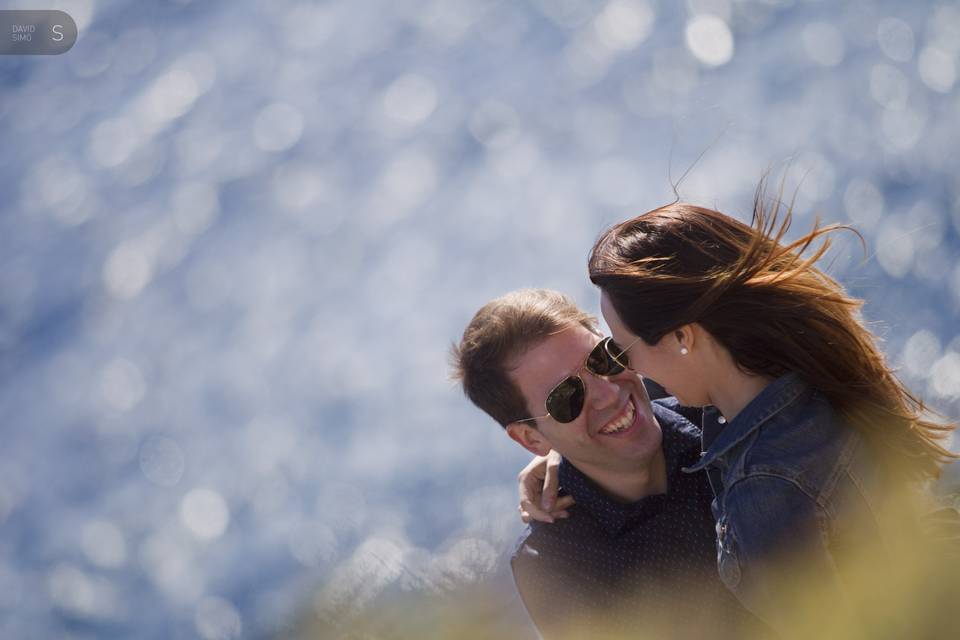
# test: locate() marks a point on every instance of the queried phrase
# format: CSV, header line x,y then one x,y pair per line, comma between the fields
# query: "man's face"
x,y
597,438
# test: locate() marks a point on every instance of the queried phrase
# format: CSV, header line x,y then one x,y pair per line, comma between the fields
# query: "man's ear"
x,y
529,438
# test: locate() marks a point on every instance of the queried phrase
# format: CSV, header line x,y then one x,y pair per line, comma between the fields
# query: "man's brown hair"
x,y
502,330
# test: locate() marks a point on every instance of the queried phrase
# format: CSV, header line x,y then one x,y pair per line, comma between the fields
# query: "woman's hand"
x,y
539,483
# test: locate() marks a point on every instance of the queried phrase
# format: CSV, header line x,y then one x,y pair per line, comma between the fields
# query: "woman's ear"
x,y
686,337
529,438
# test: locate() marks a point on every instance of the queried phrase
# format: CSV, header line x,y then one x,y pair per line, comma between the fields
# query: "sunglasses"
x,y
565,401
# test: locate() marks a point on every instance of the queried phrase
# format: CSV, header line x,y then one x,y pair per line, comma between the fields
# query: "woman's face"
x,y
661,362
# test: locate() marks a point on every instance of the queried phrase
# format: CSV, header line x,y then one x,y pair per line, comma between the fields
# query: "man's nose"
x,y
601,392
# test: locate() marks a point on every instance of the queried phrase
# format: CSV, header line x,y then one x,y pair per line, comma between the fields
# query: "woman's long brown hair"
x,y
771,307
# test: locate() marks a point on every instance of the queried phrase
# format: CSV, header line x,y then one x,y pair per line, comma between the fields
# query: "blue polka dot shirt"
x,y
632,567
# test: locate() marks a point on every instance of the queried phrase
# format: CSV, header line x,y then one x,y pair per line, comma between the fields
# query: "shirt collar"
x,y
718,439
614,516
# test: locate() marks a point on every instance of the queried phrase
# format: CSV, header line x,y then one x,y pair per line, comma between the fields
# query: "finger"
x,y
564,502
551,483
561,515
534,512
531,480
531,489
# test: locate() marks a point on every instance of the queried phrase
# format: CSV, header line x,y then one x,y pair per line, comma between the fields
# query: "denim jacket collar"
x,y
774,398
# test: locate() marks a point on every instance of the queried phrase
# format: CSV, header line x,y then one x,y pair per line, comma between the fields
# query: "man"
x,y
637,552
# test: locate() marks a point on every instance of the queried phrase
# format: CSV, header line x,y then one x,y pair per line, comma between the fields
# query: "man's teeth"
x,y
620,424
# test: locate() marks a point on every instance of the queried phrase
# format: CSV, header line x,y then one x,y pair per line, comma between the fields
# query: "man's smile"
x,y
621,423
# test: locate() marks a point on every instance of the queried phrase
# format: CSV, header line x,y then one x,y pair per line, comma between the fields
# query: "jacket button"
x,y
730,570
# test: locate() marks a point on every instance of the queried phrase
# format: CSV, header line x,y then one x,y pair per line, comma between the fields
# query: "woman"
x,y
808,435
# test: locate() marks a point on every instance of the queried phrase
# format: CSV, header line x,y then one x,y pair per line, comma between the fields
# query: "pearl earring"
x,y
684,351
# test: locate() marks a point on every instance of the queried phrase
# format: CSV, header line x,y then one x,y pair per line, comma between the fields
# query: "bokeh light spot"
x,y
128,270
278,127
710,40
938,69
823,43
921,349
217,619
624,24
945,375
864,203
204,513
410,99
895,248
122,385
896,39
162,461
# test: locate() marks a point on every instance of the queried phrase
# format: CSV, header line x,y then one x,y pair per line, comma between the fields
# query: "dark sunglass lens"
x,y
603,359
618,357
565,402
598,362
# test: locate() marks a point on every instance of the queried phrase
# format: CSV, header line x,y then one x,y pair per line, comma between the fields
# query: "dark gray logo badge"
x,y
37,33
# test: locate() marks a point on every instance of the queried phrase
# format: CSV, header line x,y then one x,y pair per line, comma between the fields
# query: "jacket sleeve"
x,y
773,553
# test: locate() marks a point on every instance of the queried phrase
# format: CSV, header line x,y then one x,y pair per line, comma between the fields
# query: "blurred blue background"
x,y
238,238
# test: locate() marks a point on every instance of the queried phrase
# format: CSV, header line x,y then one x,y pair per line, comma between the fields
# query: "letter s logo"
x,y
57,35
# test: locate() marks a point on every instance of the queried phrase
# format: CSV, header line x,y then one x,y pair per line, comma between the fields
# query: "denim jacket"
x,y
789,475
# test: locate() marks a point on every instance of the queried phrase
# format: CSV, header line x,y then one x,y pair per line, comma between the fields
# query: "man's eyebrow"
x,y
571,372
